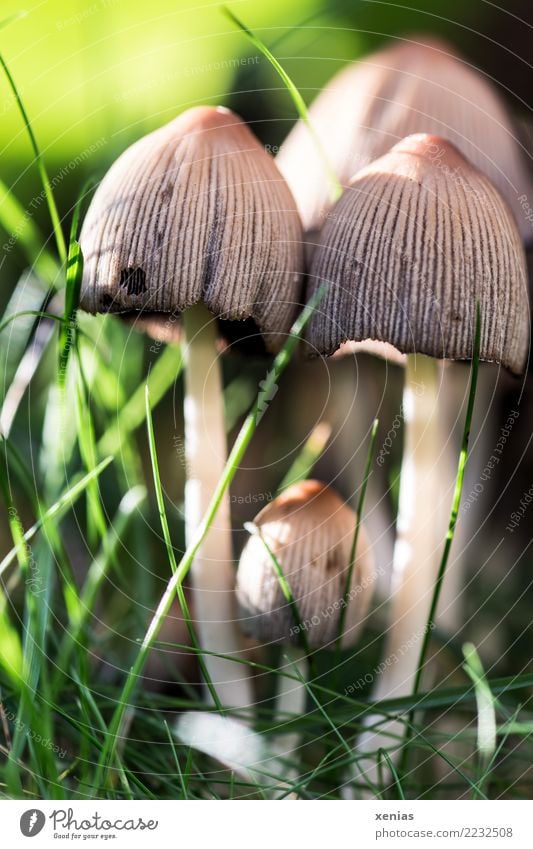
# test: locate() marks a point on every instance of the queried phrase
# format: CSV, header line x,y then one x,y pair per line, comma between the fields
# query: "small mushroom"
x,y
414,86
418,238
310,531
195,220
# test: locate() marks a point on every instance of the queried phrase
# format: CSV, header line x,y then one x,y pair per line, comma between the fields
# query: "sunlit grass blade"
x,y
423,741
30,674
96,518
287,595
16,16
320,707
170,552
15,464
73,280
334,184
24,374
231,743
53,542
17,326
237,453
57,510
47,188
34,313
23,232
95,578
11,658
311,451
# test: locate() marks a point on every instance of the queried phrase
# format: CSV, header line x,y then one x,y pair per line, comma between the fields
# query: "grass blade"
x,y
170,552
22,229
384,755
29,293
456,502
74,274
308,456
58,509
241,444
353,551
12,18
31,671
334,184
45,180
165,371
95,578
177,762
450,534
486,713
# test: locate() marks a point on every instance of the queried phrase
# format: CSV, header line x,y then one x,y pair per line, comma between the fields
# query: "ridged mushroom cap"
x,y
195,211
417,238
310,530
420,86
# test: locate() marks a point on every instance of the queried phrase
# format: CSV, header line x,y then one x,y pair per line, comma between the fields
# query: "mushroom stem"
x,y
212,573
416,560
291,697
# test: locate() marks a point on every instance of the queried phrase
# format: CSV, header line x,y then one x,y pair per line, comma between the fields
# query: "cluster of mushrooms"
x,y
197,220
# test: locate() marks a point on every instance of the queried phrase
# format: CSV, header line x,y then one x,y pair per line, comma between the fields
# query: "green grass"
x,y
335,187
93,559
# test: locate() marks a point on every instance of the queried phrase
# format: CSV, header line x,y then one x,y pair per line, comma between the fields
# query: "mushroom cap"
x,y
310,530
415,86
195,211
411,246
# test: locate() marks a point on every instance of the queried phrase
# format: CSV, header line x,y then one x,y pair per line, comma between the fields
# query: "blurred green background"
x,y
97,74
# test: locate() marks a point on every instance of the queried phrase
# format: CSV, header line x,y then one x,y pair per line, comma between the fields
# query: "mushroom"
x,y
309,530
418,238
416,85
195,220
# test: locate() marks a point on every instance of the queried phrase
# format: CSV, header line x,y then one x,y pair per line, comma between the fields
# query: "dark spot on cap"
x,y
133,280
107,301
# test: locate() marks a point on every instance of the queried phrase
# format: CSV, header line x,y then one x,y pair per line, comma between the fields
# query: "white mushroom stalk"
x,y
416,242
420,536
291,584
195,220
212,572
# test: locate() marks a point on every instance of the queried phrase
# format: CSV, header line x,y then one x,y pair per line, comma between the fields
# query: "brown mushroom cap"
x,y
310,530
416,86
195,211
418,237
